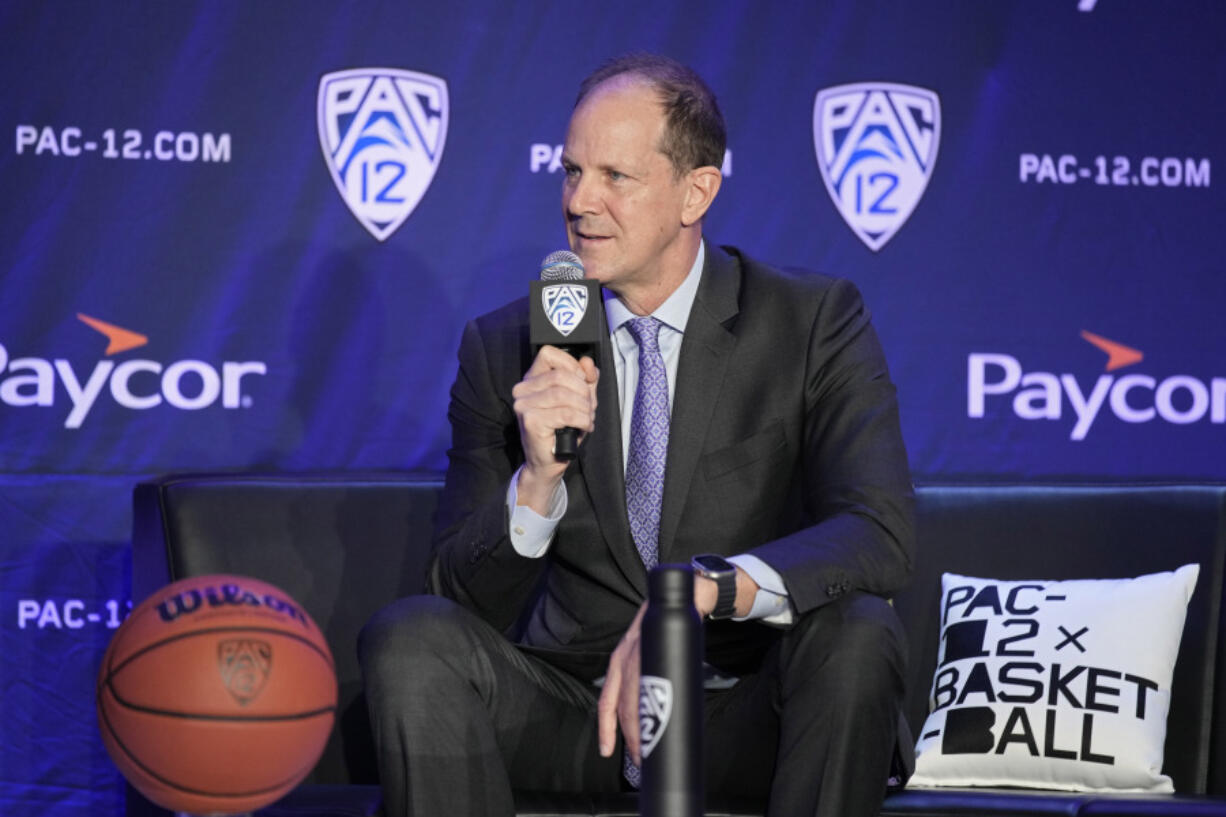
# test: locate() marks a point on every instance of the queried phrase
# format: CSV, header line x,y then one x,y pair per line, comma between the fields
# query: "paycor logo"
x,y
135,384
1133,398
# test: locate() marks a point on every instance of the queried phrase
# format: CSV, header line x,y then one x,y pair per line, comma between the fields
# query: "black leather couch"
x,y
344,545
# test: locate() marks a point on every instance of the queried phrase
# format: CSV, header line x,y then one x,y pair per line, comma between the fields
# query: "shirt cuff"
x,y
531,533
771,604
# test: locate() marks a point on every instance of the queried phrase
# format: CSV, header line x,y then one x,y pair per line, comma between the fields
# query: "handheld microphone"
x,y
566,311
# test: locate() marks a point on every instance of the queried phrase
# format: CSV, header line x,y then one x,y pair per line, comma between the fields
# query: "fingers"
x,y
619,702
619,699
628,703
551,357
628,709
606,709
590,372
557,392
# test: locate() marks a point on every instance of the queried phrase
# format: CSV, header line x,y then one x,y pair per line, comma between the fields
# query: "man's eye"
x,y
571,171
616,176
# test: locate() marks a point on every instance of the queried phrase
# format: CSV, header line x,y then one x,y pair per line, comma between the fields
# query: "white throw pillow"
x,y
1054,684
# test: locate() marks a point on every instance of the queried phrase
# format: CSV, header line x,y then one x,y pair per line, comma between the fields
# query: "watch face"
x,y
714,564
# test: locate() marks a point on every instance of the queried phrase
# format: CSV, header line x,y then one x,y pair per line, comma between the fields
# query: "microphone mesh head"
x,y
562,265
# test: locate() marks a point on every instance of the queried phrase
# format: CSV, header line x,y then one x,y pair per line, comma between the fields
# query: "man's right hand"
x,y
557,391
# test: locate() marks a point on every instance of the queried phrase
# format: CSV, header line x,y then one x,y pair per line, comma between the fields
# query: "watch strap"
x,y
725,584
725,602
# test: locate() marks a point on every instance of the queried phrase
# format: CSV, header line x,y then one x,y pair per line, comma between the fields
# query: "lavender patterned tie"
x,y
645,462
648,442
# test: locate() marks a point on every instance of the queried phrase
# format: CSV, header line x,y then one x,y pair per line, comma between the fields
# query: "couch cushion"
x,y
1153,805
981,802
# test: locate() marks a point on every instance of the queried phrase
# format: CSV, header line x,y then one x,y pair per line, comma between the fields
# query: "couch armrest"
x,y
1084,531
342,545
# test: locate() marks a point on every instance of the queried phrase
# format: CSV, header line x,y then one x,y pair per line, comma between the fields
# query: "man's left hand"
x,y
619,699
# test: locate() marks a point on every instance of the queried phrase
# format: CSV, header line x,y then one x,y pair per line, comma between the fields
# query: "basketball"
x,y
217,695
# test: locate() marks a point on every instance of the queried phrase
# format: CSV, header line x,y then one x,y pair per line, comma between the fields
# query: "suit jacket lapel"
x,y
705,353
603,474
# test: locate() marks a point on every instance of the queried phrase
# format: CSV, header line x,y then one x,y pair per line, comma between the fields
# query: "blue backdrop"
x,y
246,235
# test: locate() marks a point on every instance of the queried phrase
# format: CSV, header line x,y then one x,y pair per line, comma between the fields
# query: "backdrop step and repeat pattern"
x,y
246,235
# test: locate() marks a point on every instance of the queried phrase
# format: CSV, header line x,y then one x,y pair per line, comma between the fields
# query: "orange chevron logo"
x,y
121,340
1118,355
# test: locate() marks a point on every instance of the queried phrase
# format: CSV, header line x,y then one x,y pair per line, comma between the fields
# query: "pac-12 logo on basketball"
x,y
244,664
382,132
876,145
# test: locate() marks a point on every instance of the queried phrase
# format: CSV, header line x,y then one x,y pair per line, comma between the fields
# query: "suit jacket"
x,y
784,442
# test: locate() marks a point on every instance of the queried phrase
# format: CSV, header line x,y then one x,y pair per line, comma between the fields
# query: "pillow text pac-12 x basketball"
x,y
216,695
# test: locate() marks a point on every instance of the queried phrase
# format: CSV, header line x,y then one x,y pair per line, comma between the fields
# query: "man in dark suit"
x,y
733,411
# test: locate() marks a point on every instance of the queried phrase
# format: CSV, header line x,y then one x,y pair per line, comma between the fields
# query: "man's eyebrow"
x,y
624,169
602,168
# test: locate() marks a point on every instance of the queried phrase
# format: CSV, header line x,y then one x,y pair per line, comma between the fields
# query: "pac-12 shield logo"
x,y
655,709
382,132
244,664
876,145
565,305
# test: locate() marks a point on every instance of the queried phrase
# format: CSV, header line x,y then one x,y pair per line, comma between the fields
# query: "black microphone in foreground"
x,y
566,311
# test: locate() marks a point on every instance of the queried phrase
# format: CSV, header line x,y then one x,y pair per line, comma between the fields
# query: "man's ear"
x,y
701,183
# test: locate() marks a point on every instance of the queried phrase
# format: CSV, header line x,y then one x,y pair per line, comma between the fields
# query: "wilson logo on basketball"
x,y
244,664
225,596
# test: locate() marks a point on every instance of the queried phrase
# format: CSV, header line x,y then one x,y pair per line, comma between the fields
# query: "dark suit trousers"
x,y
460,716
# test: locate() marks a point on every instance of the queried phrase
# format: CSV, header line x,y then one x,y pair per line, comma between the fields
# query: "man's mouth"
x,y
585,236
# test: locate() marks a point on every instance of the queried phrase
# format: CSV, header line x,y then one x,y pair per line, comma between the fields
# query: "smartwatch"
x,y
723,573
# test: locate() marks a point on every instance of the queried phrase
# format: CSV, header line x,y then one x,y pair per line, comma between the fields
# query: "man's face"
x,y
622,202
